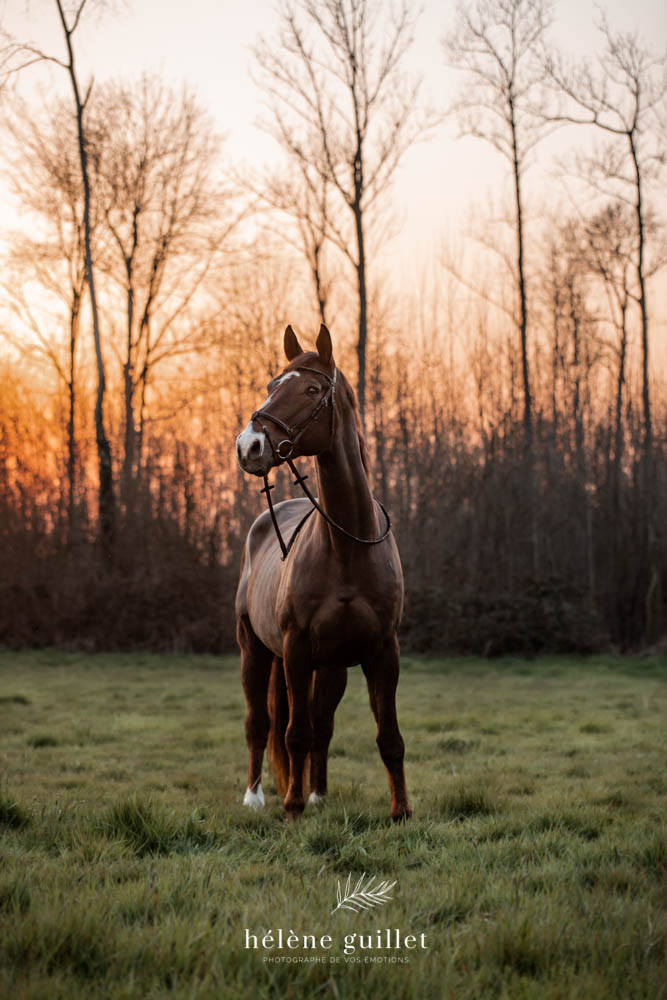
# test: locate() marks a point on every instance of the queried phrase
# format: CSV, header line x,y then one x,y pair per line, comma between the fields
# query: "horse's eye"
x,y
313,390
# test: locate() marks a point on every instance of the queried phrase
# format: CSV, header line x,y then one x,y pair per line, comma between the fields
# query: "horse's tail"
x,y
279,718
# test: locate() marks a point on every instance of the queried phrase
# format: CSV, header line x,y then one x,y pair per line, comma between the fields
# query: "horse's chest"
x,y
343,630
342,622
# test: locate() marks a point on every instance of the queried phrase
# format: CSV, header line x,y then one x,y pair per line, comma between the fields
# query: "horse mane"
x,y
351,398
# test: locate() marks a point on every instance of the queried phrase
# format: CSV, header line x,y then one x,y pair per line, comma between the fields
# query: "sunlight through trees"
x,y
514,408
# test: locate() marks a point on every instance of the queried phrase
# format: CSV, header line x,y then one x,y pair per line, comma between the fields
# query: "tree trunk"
x,y
641,281
523,333
317,279
579,443
106,508
361,278
71,420
363,318
523,309
646,570
127,474
618,459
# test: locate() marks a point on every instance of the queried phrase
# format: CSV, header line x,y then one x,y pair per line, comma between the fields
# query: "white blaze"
x,y
249,436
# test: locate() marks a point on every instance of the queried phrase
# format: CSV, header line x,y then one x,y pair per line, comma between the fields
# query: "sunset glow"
x,y
494,289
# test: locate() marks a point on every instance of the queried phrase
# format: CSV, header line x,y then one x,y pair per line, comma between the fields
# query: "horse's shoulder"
x,y
262,542
287,512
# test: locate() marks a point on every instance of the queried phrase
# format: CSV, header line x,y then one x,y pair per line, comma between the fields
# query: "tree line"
x,y
511,406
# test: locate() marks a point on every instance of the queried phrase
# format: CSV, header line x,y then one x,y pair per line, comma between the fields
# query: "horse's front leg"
x,y
255,673
382,677
298,737
329,689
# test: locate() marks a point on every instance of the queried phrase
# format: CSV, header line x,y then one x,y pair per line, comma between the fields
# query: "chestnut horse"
x,y
328,598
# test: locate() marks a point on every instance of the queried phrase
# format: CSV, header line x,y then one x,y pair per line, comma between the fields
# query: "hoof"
x,y
293,814
315,799
254,800
401,815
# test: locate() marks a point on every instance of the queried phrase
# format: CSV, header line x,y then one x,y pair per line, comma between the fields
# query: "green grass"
x,y
534,864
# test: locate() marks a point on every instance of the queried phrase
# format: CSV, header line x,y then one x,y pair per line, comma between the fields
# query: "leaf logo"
x,y
362,897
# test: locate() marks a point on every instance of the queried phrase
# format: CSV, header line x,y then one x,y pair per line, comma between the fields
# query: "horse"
x,y
328,599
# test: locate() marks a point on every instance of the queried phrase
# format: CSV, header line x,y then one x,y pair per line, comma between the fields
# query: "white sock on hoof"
x,y
254,799
314,798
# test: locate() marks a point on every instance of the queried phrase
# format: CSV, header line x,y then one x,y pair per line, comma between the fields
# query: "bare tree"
x,y
575,351
610,238
14,58
152,153
623,98
46,180
340,106
497,44
306,201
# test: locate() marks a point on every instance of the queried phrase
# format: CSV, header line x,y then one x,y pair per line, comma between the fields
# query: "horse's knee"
x,y
299,738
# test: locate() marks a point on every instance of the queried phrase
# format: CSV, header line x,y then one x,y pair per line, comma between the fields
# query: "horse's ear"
x,y
324,346
292,346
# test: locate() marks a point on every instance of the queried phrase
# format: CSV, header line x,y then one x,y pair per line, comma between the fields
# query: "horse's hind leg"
x,y
382,677
255,673
327,693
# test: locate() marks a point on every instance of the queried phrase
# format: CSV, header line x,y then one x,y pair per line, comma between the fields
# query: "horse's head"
x,y
297,418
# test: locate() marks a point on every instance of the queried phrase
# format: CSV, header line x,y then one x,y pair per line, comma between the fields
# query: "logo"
x,y
388,944
362,897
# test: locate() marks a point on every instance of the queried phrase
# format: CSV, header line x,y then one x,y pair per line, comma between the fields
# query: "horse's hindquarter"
x,y
261,571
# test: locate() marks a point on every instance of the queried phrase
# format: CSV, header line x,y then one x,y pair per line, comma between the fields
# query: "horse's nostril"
x,y
255,449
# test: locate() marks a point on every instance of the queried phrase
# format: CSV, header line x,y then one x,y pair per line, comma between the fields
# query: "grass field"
x,y
534,865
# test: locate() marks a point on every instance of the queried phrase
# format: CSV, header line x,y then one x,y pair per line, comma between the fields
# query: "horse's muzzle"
x,y
253,451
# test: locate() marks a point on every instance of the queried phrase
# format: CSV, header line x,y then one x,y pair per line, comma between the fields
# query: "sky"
x,y
207,43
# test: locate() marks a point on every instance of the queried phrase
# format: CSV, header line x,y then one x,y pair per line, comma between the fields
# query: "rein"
x,y
285,455
300,480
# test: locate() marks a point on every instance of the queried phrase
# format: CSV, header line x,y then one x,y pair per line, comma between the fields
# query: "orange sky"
x,y
207,43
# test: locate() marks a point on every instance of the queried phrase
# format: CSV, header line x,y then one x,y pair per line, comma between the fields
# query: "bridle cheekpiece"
x,y
285,448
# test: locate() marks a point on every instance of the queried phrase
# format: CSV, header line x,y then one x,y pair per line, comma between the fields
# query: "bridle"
x,y
284,454
294,433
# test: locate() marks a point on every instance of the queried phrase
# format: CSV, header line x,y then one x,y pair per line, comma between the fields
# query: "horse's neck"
x,y
344,490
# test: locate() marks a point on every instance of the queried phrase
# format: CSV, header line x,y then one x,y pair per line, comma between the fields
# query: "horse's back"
x,y
261,566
